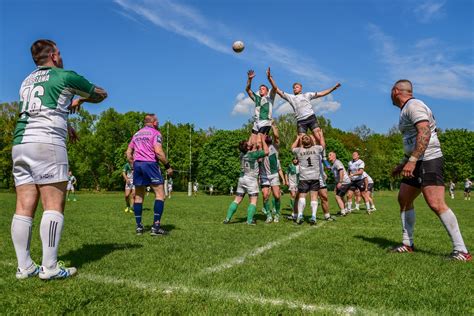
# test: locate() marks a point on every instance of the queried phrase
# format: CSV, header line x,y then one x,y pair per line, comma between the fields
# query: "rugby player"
x,y
343,182
356,174
71,182
127,175
467,189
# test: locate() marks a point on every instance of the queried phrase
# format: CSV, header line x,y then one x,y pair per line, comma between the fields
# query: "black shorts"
x,y
467,190
357,184
304,186
342,190
426,173
370,187
262,130
307,123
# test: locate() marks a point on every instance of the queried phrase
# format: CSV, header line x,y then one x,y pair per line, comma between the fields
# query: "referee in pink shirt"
x,y
143,151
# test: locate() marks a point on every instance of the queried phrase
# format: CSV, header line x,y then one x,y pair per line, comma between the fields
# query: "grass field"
x,y
205,267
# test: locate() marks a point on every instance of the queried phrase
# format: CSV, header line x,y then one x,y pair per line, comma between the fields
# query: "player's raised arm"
x,y
327,91
264,145
248,87
296,143
276,134
274,86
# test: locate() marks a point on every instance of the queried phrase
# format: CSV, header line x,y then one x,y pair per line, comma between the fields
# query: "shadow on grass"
x,y
386,244
93,252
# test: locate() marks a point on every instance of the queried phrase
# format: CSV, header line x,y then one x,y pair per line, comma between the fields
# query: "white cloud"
x,y
429,11
243,105
190,23
427,64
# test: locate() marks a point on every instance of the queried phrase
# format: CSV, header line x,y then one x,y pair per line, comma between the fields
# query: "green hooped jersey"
x,y
270,164
263,107
45,96
249,163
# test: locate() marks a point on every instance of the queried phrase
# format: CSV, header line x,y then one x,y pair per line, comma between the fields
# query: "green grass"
x,y
332,268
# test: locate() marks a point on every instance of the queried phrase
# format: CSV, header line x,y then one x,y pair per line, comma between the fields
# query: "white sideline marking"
x,y
258,251
219,294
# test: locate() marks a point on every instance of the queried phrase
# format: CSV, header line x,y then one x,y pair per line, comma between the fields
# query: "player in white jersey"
x,y
195,188
467,189
422,170
40,163
127,175
343,182
211,189
301,105
292,179
309,156
369,184
170,187
263,109
231,190
356,174
452,186
248,180
71,182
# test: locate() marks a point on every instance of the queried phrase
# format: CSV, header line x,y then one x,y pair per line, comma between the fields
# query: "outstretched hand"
x,y
268,72
75,105
337,85
251,74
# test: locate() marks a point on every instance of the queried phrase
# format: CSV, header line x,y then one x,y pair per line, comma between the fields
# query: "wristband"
x,y
412,159
167,166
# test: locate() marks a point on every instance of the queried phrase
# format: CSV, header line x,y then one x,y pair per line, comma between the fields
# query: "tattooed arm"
x,y
422,140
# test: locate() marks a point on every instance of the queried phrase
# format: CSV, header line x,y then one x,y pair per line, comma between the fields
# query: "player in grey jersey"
x,y
422,170
309,157
301,104
40,163
343,182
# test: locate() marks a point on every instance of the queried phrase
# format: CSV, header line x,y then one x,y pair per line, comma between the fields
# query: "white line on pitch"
x,y
224,295
256,252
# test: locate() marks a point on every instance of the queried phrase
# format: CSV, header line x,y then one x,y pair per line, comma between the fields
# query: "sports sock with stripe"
x,y
277,206
450,222
51,228
21,237
138,210
158,208
408,226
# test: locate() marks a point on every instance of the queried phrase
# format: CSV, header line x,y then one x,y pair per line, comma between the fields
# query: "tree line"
x,y
97,159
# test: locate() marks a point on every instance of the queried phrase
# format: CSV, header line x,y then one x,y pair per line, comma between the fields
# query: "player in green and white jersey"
x,y
263,109
248,180
127,174
270,174
40,162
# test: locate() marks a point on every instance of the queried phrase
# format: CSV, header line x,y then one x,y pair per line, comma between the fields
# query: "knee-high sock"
x,y
277,206
408,226
301,206
251,212
50,231
292,203
232,209
21,237
138,210
450,222
266,207
158,211
314,208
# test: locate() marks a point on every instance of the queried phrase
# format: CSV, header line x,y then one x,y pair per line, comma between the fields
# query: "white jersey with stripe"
x,y
369,178
309,160
413,112
301,103
337,166
354,166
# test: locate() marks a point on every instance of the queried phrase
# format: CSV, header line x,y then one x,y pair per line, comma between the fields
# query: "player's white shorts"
x,y
129,186
261,125
270,180
38,163
292,186
70,187
247,185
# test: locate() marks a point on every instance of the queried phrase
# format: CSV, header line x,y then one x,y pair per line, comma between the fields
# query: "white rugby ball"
x,y
238,46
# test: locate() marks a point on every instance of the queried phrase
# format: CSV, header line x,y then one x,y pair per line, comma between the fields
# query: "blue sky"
x,y
174,58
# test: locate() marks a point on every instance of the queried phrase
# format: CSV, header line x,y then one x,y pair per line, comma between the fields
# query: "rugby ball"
x,y
238,46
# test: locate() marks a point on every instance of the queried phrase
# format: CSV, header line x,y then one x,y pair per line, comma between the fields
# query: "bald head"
x,y
150,119
402,91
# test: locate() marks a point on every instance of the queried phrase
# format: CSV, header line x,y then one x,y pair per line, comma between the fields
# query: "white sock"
x,y
327,215
451,224
314,208
408,226
21,237
50,231
357,206
349,205
367,205
301,206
